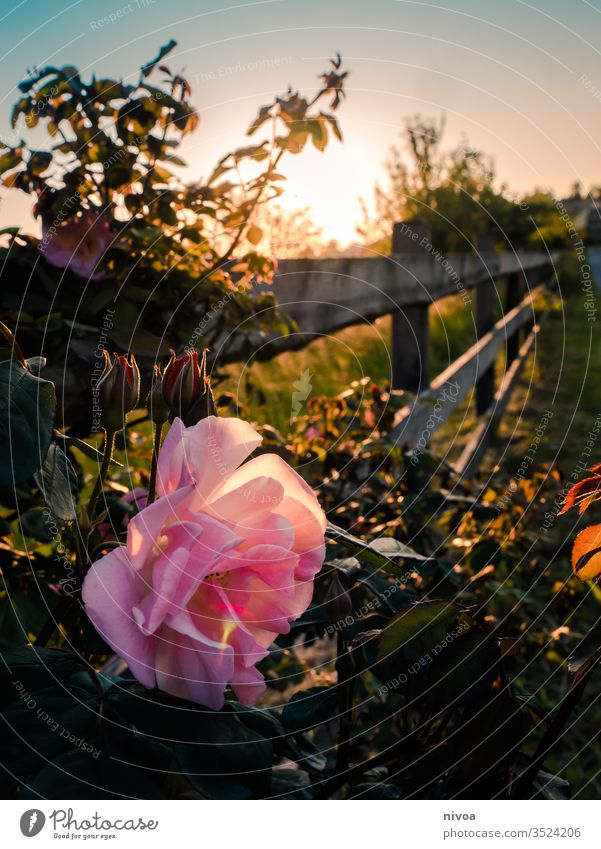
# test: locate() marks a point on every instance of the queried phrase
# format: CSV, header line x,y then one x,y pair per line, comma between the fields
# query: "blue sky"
x,y
507,74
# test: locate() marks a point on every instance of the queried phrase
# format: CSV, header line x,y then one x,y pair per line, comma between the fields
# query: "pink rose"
x,y
214,570
78,243
136,496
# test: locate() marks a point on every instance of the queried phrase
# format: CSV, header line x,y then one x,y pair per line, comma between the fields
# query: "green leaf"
x,y
148,68
319,133
331,119
551,786
264,115
36,364
230,752
35,667
302,750
141,342
295,140
41,724
263,722
417,630
309,708
39,161
24,615
9,231
373,790
290,784
27,406
22,105
57,482
378,552
34,523
585,650
79,775
255,151
175,160
11,632
10,160
460,672
485,551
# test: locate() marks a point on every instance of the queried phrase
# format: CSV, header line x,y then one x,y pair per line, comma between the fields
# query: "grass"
x,y
562,376
331,363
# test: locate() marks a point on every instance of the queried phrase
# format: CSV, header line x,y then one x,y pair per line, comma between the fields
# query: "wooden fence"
x,y
327,295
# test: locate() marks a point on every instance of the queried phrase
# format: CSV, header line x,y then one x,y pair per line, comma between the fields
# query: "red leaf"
x,y
583,493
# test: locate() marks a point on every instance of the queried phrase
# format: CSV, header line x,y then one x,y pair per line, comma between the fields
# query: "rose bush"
x,y
214,569
126,233
78,244
210,580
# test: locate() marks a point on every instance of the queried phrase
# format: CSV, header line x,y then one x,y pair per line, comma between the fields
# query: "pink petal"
x,y
308,537
273,466
274,566
110,591
191,550
193,667
248,685
172,472
166,577
146,527
253,502
207,453
272,529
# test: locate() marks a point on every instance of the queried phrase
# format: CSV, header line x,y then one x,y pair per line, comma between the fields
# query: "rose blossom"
x,y
214,569
78,243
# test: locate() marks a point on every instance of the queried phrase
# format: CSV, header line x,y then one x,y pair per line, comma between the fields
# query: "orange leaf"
x,y
582,494
586,554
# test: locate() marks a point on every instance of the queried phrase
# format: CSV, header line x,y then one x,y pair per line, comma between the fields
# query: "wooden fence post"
x,y
485,319
410,335
514,293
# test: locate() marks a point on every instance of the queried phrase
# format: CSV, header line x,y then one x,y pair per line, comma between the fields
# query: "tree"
x,y
453,190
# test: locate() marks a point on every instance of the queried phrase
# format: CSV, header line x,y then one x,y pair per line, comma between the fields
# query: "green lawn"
x,y
563,375
333,362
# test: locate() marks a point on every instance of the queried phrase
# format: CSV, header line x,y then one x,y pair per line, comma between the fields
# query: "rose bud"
x,y
118,390
337,602
155,401
187,389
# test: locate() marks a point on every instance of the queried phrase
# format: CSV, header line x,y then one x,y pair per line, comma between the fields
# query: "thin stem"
x,y
551,735
345,682
109,446
331,785
98,688
134,422
152,486
10,338
254,203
